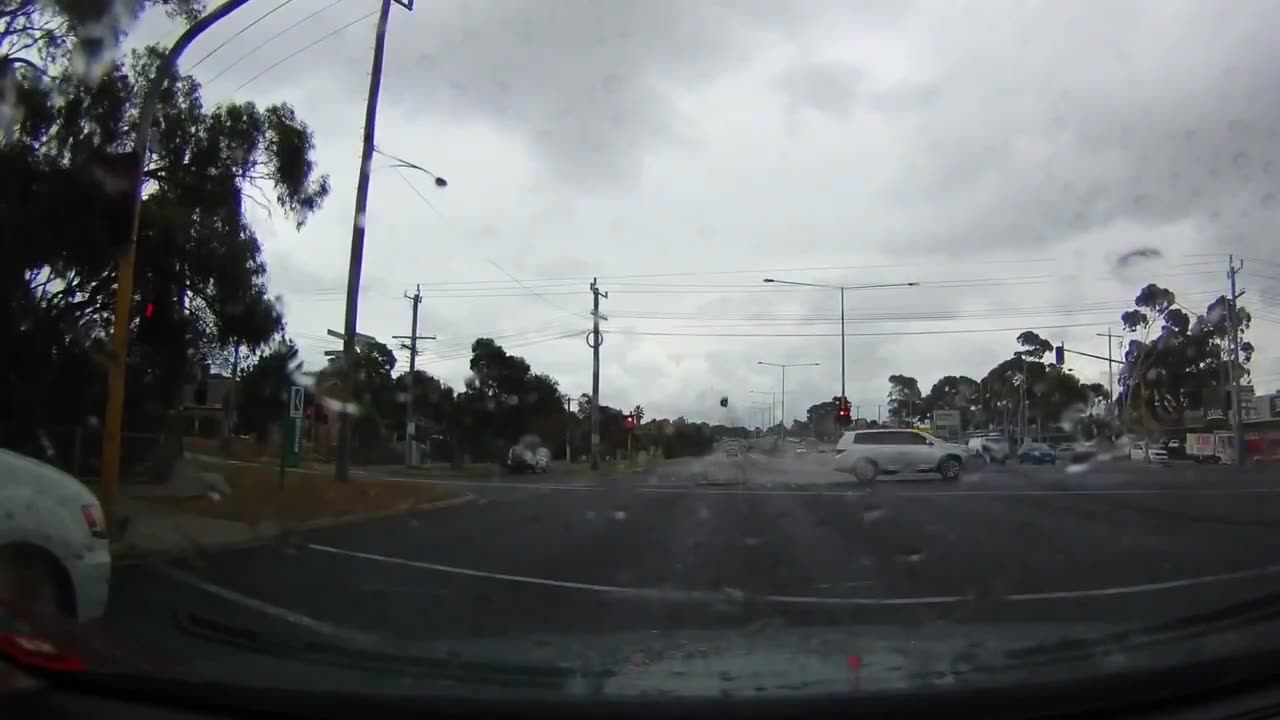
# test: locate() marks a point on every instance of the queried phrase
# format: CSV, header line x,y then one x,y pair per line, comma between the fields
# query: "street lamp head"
x,y
769,280
441,182
913,284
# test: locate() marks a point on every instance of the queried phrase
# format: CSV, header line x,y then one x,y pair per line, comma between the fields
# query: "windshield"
x,y
711,348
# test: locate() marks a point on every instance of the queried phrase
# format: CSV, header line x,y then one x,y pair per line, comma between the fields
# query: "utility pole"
x,y
594,340
1022,429
783,391
1233,335
1111,383
342,468
410,428
568,430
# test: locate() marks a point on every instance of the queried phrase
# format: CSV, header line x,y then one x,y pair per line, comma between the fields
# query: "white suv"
x,y
869,453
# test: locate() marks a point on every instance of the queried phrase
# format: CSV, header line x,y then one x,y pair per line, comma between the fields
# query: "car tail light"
x,y
37,653
93,520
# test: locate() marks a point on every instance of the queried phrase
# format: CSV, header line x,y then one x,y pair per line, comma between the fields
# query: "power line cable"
x,y
237,34
967,331
302,49
275,37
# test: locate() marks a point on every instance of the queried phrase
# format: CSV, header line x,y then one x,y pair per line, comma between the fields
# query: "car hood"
x,y
760,660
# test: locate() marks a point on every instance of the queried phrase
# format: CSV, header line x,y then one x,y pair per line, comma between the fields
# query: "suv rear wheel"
x,y
949,468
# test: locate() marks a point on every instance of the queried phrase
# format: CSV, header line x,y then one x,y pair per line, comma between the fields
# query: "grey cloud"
x,y
1056,131
592,86
827,87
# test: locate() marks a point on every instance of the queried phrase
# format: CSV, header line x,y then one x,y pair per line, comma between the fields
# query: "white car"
x,y
54,553
991,448
1142,451
867,454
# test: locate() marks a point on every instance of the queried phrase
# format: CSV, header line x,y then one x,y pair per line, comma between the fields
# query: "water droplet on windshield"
x,y
912,555
1138,265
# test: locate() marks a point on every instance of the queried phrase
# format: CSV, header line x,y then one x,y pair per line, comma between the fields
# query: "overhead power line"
x,y
966,331
272,39
237,34
303,49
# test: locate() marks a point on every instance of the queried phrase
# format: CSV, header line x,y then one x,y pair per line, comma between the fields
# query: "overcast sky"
x,y
1002,154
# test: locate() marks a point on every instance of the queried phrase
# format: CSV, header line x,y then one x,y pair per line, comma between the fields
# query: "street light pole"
x,y
113,418
842,288
342,467
773,399
783,411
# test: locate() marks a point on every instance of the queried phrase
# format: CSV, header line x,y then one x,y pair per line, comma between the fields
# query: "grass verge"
x,y
306,496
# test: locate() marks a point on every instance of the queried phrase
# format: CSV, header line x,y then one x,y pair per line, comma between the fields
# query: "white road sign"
x,y
295,401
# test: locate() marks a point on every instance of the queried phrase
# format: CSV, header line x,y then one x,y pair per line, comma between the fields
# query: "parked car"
x,y
868,454
1143,451
1037,454
520,459
991,448
54,553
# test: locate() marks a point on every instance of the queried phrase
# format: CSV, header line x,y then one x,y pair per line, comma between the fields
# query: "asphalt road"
x,y
731,544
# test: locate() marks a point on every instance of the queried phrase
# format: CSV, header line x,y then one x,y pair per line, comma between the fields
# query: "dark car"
x,y
1037,454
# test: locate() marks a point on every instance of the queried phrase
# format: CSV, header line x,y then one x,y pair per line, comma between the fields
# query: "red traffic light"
x,y
629,421
149,310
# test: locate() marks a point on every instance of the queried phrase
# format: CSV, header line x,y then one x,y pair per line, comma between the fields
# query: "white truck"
x,y
1213,447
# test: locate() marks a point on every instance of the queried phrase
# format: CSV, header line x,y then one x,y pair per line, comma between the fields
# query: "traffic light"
x,y
629,421
724,402
1060,355
843,417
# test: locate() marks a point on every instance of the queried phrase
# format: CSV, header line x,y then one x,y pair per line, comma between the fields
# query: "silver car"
x,y
868,454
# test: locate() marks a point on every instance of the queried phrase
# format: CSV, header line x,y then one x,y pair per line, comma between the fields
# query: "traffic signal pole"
x,y
113,418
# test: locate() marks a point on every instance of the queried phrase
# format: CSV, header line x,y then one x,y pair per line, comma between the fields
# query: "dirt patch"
x,y
257,497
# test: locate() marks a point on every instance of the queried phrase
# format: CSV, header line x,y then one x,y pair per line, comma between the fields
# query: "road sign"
x,y
296,397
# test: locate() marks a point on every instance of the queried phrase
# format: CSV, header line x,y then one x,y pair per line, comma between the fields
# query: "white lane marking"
x,y
715,491
810,600
492,483
1148,587
980,493
268,609
651,592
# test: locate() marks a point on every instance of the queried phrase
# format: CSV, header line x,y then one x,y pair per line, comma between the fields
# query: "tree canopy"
x,y
67,175
1176,360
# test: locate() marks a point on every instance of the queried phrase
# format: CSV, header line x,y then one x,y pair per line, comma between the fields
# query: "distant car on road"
x,y
731,449
867,454
991,448
1037,454
1143,451
54,554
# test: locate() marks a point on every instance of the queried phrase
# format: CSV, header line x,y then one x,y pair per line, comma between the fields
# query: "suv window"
x,y
912,438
